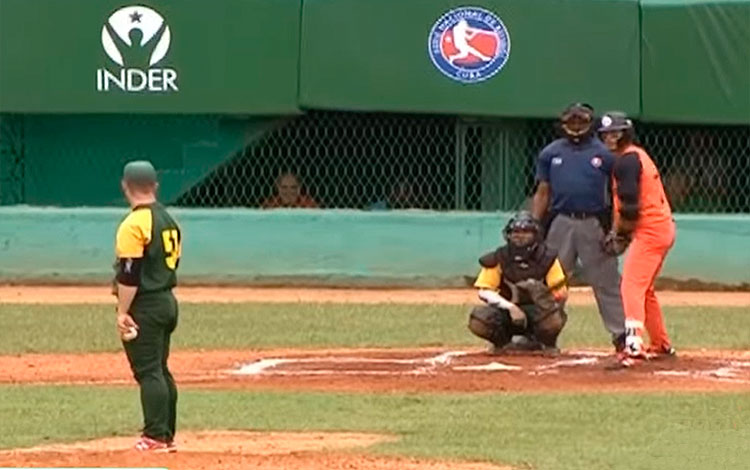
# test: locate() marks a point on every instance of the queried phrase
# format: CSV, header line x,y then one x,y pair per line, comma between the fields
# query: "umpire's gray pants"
x,y
582,239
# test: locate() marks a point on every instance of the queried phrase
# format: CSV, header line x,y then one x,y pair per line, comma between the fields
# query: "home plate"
x,y
492,366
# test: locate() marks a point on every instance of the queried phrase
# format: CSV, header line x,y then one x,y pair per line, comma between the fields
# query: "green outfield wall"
x,y
681,61
696,61
323,247
228,56
374,55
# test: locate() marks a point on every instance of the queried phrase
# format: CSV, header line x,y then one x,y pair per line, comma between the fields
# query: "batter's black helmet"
x,y
613,121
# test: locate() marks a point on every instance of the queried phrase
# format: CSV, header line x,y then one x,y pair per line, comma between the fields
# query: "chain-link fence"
x,y
11,159
388,161
381,161
704,169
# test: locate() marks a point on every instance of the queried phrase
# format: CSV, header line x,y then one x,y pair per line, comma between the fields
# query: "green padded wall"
x,y
373,55
696,61
228,56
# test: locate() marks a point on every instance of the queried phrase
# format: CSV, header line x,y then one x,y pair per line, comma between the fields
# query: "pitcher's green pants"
x,y
156,315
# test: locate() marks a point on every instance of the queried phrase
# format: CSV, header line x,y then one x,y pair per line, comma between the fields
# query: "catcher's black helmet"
x,y
522,222
576,120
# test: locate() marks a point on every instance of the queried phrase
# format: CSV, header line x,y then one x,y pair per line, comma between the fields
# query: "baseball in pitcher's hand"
x,y
125,322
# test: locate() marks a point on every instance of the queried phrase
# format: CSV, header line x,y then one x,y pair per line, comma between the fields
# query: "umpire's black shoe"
x,y
619,343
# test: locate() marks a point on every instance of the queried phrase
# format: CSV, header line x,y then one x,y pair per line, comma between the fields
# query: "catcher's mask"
x,y
616,130
576,121
523,235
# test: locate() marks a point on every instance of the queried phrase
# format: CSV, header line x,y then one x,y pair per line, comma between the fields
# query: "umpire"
x,y
573,175
148,248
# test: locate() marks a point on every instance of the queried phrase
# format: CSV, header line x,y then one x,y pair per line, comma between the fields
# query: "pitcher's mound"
x,y
227,450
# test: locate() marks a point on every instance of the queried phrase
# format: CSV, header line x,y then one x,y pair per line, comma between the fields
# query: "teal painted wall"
x,y
325,247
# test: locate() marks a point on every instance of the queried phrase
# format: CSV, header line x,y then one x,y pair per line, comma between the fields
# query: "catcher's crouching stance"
x,y
524,288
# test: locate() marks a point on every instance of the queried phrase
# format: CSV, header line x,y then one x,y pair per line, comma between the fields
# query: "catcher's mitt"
x,y
549,318
541,296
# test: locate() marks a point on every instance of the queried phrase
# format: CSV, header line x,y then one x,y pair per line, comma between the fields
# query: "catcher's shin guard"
x,y
488,323
548,328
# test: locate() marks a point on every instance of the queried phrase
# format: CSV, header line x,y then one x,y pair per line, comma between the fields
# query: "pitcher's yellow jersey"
x,y
149,233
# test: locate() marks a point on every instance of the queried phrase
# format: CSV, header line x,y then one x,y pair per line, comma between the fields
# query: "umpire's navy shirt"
x,y
578,174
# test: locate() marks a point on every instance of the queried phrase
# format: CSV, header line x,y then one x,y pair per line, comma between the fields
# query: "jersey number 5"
x,y
172,248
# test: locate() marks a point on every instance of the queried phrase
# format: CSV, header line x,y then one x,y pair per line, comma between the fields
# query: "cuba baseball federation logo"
x,y
469,44
136,39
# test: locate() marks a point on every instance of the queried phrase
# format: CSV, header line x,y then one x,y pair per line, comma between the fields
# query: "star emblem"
x,y
135,17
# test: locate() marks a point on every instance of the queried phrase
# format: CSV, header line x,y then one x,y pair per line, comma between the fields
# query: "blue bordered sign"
x,y
469,44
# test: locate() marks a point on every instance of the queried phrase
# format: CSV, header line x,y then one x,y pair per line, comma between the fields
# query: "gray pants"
x,y
581,239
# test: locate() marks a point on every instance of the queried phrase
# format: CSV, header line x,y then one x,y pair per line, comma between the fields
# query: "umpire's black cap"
x,y
577,109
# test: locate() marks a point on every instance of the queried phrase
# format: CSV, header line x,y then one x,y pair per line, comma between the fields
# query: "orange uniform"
x,y
645,202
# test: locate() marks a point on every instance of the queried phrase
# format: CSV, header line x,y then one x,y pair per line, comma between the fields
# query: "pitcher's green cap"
x,y
139,172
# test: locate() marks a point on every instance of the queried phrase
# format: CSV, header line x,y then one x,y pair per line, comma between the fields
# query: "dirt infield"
x,y
407,370
231,450
100,294
431,370
354,370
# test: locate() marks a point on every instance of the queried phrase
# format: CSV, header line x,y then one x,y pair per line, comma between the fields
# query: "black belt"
x,y
581,215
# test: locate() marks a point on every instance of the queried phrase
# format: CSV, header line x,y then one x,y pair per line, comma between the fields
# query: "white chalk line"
x,y
266,366
263,365
588,353
726,372
491,367
582,361
723,374
428,365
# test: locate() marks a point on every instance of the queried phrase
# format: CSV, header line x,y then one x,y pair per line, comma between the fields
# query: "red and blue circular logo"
x,y
469,44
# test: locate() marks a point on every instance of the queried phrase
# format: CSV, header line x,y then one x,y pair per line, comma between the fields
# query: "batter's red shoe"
x,y
625,360
147,444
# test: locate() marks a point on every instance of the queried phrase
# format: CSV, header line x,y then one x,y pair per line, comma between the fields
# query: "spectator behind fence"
x,y
401,196
289,194
682,193
709,182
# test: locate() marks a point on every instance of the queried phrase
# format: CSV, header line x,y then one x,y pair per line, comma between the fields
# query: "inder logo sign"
x,y
136,39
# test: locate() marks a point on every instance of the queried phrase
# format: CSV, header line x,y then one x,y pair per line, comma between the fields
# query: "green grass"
x,y
545,432
80,328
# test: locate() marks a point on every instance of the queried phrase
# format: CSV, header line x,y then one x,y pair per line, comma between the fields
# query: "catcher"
x,y
524,288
